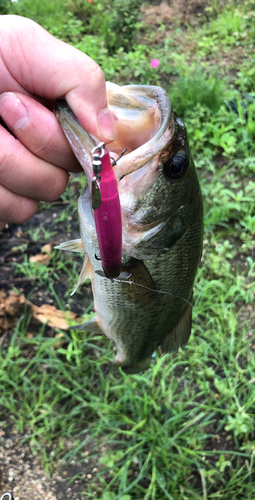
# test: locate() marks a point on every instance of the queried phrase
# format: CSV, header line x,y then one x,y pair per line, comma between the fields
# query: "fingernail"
x,y
107,125
12,111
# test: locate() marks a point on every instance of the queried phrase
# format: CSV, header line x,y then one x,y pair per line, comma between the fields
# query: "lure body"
x,y
108,220
103,188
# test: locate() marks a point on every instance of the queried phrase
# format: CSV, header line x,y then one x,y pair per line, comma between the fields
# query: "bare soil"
x,y
22,473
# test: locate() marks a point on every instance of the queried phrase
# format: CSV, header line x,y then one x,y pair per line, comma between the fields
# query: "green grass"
x,y
184,429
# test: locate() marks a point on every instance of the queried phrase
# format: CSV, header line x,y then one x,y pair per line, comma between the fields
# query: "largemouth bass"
x,y
150,305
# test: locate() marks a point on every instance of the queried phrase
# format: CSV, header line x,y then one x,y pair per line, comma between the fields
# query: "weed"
x,y
5,6
118,21
50,15
195,88
122,25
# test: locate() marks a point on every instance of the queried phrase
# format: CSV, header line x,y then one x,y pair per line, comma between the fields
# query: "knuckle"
x,y
43,149
56,185
22,210
6,154
95,72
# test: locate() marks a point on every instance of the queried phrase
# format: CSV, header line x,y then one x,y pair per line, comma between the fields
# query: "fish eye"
x,y
176,167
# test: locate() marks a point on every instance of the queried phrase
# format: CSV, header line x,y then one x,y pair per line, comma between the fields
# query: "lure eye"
x,y
176,167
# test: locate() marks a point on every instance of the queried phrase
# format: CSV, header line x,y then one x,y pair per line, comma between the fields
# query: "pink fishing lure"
x,y
108,220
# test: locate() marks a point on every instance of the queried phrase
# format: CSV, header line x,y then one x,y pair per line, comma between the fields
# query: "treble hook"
x,y
119,157
97,152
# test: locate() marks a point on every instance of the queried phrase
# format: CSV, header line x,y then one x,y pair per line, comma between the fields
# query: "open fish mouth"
x,y
142,114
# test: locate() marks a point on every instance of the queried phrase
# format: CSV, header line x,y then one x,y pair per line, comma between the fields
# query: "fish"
x,y
149,305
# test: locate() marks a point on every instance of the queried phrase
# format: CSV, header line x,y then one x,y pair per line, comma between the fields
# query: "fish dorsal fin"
x,y
90,326
86,273
71,245
179,335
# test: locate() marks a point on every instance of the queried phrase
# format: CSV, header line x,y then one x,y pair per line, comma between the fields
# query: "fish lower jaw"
x,y
131,368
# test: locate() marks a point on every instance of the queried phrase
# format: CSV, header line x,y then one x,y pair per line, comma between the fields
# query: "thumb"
x,y
89,103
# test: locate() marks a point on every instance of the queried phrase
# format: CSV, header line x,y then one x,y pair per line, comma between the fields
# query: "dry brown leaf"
x,y
12,306
40,258
44,256
52,316
46,248
2,302
14,303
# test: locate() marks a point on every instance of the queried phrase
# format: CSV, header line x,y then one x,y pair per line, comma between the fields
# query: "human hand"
x,y
36,69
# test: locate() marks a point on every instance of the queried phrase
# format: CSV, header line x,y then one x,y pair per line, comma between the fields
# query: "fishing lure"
x,y
107,211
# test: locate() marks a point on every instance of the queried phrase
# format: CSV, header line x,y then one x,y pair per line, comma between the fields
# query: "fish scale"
x,y
120,322
162,227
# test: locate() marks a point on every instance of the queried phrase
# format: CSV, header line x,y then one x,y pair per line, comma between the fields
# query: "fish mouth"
x,y
142,115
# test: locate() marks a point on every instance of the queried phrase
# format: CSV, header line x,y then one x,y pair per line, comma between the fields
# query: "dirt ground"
x,y
22,474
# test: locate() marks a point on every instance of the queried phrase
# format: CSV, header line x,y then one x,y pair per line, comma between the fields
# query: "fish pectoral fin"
x,y
180,334
71,245
86,273
76,246
137,283
90,326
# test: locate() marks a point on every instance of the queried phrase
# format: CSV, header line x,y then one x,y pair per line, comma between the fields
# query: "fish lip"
x,y
163,101
141,156
154,92
148,150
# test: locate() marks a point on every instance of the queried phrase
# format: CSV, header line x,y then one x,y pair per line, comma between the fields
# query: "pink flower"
x,y
155,63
